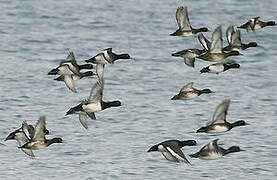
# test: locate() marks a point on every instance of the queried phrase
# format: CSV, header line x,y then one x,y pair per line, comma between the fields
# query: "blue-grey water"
x,y
37,35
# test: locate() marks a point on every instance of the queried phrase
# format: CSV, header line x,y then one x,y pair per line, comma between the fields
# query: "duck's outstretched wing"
x,y
189,61
100,72
28,152
220,112
83,119
176,152
229,33
69,82
91,115
70,57
236,40
217,42
96,92
208,148
40,130
182,18
204,42
187,87
28,130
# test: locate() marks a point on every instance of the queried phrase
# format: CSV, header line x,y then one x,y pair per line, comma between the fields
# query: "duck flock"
x,y
69,71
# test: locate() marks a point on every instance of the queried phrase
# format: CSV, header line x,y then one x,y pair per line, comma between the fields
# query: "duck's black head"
x,y
89,73
271,23
75,109
116,103
252,44
123,56
204,29
205,70
234,53
153,148
202,129
86,66
187,143
234,149
10,136
206,91
239,123
56,140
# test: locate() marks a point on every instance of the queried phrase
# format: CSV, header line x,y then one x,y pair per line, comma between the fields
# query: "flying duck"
x,y
220,67
23,135
212,151
171,149
189,55
106,56
219,123
69,71
234,41
94,103
215,52
69,66
39,141
254,24
187,92
185,28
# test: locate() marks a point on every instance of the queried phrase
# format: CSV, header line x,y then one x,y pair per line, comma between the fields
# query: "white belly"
x,y
92,107
257,26
218,129
217,68
191,95
211,156
36,145
186,33
236,48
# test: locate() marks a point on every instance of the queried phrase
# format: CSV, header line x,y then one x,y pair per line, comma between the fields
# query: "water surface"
x,y
36,36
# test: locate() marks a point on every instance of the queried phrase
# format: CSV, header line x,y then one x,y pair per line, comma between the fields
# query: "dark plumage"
x,y
234,41
187,92
220,67
106,56
23,135
69,71
69,66
219,123
171,149
94,103
39,141
189,55
215,52
212,151
254,24
185,28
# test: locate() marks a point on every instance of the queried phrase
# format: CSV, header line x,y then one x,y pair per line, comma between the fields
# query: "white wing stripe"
x,y
175,154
